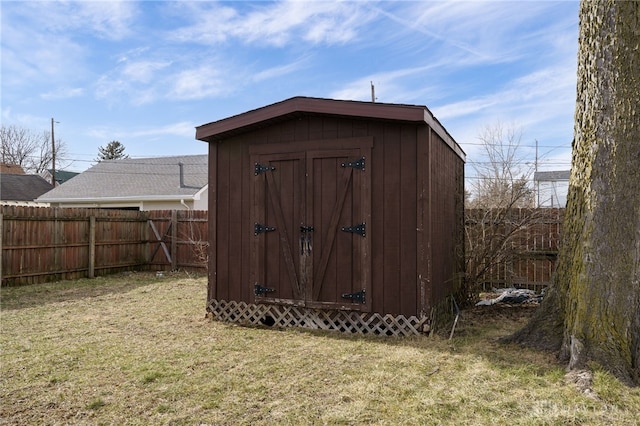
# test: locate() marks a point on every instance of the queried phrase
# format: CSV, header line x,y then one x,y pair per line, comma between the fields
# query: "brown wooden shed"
x,y
334,215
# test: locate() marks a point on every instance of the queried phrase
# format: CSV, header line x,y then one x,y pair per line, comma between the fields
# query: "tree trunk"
x,y
592,312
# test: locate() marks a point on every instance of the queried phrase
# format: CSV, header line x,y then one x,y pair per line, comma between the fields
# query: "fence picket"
x,y
44,244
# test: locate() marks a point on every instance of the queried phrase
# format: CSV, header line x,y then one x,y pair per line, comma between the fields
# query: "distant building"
x,y
11,169
551,188
158,183
18,188
61,176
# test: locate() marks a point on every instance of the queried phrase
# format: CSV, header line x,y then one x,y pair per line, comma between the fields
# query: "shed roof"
x,y
135,178
18,187
221,129
554,175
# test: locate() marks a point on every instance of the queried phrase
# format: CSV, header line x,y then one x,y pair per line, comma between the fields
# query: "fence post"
x,y
92,246
57,247
1,254
174,240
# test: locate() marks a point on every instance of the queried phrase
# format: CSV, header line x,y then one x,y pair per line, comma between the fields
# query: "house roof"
x,y
157,178
14,169
62,175
221,129
552,175
18,187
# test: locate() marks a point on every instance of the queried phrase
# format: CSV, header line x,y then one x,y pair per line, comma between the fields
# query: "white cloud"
x,y
543,96
107,19
111,20
30,57
46,42
278,71
143,71
471,63
475,31
182,129
390,86
63,93
179,129
198,83
276,24
131,54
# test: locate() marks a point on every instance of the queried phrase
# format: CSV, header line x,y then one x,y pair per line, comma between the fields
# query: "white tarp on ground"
x,y
513,296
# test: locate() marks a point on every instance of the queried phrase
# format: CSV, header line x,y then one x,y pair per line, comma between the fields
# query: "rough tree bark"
x,y
592,311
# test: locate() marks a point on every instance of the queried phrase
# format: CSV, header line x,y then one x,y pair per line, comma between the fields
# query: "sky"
x,y
146,73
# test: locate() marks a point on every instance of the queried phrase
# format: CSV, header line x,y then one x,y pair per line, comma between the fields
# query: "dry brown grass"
x,y
135,349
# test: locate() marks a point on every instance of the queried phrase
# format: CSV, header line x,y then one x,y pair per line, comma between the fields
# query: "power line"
x,y
513,145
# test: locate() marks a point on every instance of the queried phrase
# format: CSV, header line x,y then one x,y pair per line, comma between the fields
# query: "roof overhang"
x,y
237,124
129,199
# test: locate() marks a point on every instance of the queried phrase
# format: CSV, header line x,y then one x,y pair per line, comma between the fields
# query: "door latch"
x,y
305,240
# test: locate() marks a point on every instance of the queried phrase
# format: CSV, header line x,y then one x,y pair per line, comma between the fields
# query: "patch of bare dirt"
x,y
499,312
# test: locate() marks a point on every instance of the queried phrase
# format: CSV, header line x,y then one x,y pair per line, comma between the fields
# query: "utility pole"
x,y
537,182
53,156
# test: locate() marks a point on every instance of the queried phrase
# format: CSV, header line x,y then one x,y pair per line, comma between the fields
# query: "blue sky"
x,y
146,73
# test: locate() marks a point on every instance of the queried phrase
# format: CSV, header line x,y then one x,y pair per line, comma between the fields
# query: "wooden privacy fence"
x,y
524,242
44,244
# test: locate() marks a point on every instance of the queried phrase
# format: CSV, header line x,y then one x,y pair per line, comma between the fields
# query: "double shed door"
x,y
310,212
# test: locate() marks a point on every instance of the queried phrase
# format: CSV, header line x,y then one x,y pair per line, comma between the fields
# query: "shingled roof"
x,y
19,187
158,178
554,175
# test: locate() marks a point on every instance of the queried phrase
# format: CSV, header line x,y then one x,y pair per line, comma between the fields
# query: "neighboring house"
x,y
159,183
19,188
61,176
552,188
11,169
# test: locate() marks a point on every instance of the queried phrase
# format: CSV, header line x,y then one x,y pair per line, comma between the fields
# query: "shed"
x,y
333,214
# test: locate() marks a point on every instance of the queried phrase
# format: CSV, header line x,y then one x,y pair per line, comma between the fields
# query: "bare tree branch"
x,y
28,149
501,217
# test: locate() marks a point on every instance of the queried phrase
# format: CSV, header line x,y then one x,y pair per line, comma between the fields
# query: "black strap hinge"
x,y
356,164
360,229
261,291
260,168
259,229
358,296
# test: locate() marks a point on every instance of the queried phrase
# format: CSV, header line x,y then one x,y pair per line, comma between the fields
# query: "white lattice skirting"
x,y
294,316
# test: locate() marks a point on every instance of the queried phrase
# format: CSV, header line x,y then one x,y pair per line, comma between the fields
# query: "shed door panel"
x,y
278,207
334,202
307,198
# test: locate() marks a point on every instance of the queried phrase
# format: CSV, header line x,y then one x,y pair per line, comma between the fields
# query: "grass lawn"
x,y
136,349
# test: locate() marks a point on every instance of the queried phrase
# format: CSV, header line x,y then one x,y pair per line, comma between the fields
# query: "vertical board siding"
x,y
445,218
212,229
44,244
224,176
391,227
414,226
235,235
408,219
377,234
